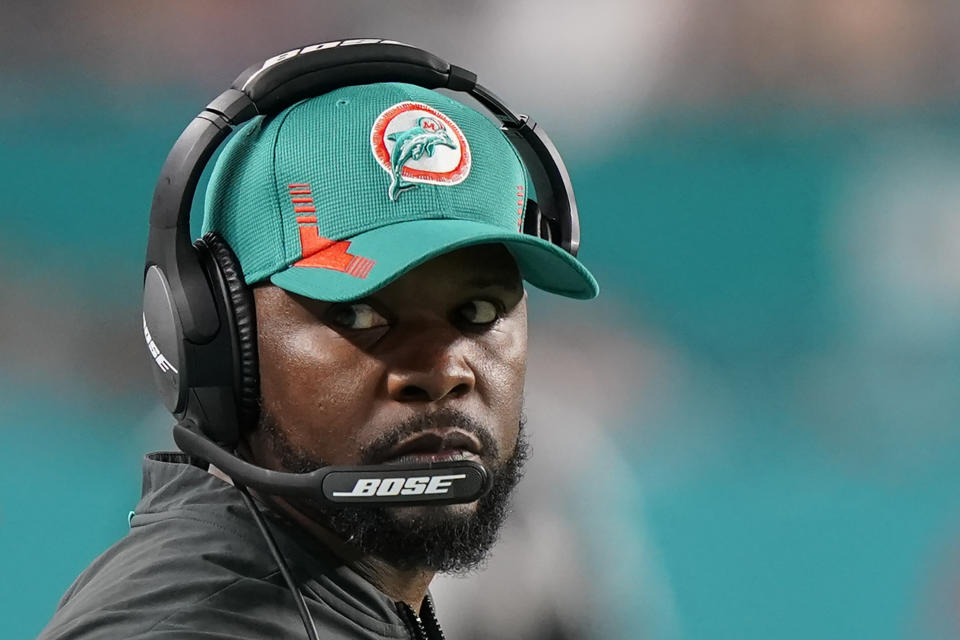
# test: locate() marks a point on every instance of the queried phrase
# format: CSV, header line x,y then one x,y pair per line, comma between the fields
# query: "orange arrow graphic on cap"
x,y
322,253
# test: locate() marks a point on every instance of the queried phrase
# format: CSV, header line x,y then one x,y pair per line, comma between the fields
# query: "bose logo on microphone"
x,y
370,487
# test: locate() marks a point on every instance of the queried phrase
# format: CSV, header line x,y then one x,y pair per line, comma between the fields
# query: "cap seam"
x,y
435,214
290,262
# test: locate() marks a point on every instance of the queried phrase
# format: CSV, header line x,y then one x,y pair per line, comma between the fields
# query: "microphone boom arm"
x,y
365,485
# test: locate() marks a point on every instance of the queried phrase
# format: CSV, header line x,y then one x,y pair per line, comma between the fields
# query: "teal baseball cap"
x,y
340,194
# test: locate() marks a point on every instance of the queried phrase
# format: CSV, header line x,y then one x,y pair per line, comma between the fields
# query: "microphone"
x,y
436,483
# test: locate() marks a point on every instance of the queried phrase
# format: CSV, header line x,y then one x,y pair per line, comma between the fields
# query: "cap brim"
x,y
395,249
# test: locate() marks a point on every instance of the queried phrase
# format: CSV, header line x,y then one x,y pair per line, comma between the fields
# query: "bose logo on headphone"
x,y
317,47
158,357
370,487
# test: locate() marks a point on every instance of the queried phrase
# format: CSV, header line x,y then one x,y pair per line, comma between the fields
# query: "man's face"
x,y
430,367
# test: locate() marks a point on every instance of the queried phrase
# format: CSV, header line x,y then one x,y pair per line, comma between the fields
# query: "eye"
x,y
356,315
479,312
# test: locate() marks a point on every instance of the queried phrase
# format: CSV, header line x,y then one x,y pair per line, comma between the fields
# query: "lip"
x,y
436,445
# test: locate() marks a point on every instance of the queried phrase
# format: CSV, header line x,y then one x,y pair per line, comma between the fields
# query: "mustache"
x,y
378,450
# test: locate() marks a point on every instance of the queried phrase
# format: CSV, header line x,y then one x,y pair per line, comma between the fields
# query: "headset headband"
x,y
280,82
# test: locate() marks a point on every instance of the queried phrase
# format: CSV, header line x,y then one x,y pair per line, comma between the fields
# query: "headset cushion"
x,y
245,323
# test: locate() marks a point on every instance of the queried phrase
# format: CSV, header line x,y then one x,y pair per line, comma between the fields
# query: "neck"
x,y
403,585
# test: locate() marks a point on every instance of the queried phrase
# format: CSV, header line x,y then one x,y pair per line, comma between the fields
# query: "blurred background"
x,y
751,434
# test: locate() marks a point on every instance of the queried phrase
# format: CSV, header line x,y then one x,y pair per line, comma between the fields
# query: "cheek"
x,y
318,387
503,372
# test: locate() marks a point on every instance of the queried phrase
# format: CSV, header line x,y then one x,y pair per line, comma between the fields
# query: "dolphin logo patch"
x,y
415,143
411,145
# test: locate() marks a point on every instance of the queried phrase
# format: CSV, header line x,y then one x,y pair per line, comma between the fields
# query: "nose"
x,y
430,365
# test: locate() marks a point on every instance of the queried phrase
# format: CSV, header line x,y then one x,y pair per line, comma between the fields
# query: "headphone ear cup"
x,y
244,319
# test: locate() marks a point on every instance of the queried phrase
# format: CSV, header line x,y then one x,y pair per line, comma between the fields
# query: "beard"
x,y
445,538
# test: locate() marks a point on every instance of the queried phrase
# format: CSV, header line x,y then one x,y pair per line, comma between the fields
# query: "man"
x,y
379,226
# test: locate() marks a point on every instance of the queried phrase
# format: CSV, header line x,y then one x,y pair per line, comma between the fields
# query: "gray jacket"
x,y
194,566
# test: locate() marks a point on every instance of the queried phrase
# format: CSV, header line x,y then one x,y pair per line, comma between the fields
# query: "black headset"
x,y
198,314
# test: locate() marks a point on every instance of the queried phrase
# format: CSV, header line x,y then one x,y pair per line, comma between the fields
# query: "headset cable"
x,y
308,624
